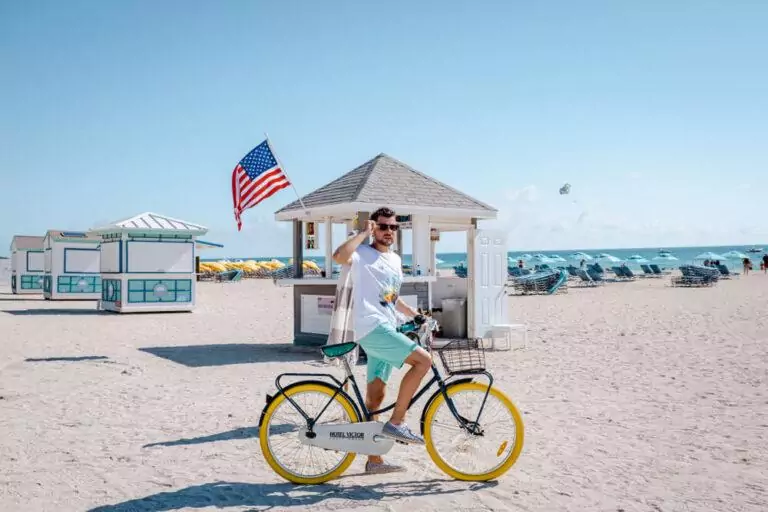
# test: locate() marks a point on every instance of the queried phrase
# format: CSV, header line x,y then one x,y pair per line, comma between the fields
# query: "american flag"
x,y
256,177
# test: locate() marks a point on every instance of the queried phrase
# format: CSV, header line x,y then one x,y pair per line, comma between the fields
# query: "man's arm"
x,y
343,254
405,309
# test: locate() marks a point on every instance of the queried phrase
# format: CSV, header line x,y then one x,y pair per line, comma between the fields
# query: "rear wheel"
x,y
467,456
282,426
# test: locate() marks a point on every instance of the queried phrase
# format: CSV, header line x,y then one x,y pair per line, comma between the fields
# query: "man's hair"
x,y
382,212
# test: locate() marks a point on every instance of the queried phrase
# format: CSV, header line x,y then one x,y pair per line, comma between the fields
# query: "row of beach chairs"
x,y
697,275
544,281
547,280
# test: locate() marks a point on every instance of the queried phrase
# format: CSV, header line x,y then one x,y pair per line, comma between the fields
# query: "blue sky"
x,y
654,111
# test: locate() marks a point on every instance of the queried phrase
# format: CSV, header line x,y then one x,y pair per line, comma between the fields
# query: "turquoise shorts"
x,y
386,348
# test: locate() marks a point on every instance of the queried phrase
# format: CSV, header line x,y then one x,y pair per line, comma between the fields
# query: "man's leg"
x,y
395,349
379,373
374,397
420,362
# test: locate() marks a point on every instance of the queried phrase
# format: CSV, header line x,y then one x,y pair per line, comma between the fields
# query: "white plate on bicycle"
x,y
364,437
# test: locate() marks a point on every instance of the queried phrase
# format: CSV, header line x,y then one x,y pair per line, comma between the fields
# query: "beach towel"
x,y
342,325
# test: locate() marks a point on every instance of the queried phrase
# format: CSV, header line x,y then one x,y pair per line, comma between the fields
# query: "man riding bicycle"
x,y
377,275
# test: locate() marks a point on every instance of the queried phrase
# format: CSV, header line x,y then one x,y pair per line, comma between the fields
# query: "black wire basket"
x,y
463,356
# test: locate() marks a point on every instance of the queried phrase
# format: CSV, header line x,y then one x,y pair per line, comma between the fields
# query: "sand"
x,y
636,396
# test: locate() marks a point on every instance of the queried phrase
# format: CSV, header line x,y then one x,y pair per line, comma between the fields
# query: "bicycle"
x,y
348,428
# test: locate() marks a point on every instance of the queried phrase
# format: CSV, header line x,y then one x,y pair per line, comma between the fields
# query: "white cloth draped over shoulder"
x,y
342,323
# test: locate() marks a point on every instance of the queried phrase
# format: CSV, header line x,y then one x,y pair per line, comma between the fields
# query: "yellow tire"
x,y
278,431
491,454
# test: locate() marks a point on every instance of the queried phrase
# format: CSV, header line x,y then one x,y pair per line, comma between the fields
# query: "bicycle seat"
x,y
338,349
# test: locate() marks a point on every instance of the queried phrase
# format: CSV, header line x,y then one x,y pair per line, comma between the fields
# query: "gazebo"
x,y
422,204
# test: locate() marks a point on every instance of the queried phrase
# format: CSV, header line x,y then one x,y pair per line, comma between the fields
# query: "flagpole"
x,y
274,153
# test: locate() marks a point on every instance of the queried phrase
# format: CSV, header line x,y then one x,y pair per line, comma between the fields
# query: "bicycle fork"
x,y
473,427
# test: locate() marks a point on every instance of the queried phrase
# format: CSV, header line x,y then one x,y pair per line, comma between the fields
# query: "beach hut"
x,y
71,266
148,264
425,206
5,271
27,264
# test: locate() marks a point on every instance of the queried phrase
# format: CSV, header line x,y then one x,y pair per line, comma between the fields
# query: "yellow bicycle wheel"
x,y
283,426
467,456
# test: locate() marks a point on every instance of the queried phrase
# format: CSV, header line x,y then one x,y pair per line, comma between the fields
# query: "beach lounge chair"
x,y
585,278
709,275
595,275
229,276
542,282
558,283
286,272
647,272
726,272
460,271
656,270
696,275
620,274
595,267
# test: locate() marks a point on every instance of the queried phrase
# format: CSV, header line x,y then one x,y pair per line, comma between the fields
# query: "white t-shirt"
x,y
376,278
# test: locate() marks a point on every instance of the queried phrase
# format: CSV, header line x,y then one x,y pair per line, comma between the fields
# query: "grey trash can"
x,y
454,318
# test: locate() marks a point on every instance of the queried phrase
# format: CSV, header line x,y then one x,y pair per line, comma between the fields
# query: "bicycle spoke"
x,y
464,451
286,446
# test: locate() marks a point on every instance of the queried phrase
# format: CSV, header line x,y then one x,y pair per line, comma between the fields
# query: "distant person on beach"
x,y
747,265
520,264
377,275
765,263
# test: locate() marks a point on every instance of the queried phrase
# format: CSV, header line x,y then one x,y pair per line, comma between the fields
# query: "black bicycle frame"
x,y
368,415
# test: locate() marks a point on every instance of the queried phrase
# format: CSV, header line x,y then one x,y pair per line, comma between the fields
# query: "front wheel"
x,y
282,425
481,456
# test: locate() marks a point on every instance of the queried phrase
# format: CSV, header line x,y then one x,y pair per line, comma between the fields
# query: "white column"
x,y
432,271
329,247
421,243
471,273
432,259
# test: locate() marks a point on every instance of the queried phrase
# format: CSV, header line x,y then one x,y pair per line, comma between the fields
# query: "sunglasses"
x,y
385,227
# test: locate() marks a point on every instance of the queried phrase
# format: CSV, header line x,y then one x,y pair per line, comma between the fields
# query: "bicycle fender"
x,y
270,398
434,395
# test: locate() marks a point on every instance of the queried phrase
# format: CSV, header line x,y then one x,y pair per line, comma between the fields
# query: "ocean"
x,y
683,255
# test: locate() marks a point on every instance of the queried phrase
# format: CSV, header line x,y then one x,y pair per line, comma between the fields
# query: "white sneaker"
x,y
401,433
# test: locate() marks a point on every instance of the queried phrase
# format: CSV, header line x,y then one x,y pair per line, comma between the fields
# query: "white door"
x,y
489,276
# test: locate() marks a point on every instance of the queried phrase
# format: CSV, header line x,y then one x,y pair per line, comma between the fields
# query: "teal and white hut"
x,y
71,266
27,264
148,264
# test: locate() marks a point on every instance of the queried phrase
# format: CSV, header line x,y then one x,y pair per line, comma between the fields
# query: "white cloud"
x,y
528,194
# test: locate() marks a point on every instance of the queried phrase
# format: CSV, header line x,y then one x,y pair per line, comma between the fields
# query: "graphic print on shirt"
x,y
389,292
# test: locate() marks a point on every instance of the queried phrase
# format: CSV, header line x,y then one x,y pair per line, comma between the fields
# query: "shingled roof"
x,y
385,180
